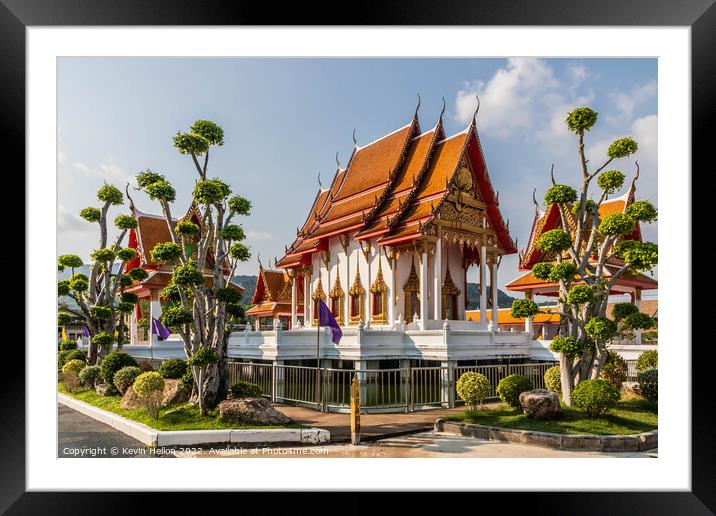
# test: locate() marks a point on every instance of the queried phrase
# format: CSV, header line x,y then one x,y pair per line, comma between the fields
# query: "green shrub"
x,y
68,345
173,368
187,380
647,360
649,383
113,362
71,354
553,379
90,376
124,378
473,388
614,370
244,390
510,388
70,374
595,397
150,387
73,366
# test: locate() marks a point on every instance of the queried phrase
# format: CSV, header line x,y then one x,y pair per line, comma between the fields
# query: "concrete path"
x,y
421,445
82,436
373,426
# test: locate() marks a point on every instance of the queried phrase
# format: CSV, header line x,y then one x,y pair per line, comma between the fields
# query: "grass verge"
x,y
177,417
628,417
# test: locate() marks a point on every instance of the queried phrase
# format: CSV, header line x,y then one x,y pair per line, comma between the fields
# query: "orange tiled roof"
x,y
390,186
529,282
504,317
550,219
272,308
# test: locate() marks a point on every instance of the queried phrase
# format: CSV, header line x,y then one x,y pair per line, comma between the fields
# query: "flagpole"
x,y
318,355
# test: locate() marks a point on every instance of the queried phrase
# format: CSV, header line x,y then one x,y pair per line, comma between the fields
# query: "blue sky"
x,y
284,120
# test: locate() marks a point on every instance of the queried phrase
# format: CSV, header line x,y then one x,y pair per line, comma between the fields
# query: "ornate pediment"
x,y
379,284
357,287
318,292
336,290
462,214
413,283
449,286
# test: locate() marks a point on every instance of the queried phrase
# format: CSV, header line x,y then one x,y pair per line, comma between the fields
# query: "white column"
x,y
393,264
306,299
294,300
347,297
369,281
528,321
437,280
493,288
423,289
155,312
483,287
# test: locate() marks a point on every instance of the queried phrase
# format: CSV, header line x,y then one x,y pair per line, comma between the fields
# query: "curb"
x,y
602,443
152,437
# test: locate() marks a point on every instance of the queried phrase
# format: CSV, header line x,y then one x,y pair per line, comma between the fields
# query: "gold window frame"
x,y
356,291
379,287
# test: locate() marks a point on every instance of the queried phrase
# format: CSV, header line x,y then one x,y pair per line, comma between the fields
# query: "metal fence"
x,y
389,390
631,370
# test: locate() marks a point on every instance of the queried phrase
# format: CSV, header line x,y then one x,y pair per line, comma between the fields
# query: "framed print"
x,y
413,252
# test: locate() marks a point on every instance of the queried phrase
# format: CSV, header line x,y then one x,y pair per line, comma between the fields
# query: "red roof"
x,y
390,187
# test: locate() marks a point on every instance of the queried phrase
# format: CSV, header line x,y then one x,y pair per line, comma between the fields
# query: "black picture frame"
x,y
700,15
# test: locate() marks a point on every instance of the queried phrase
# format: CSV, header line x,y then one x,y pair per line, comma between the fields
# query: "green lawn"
x,y
178,417
628,417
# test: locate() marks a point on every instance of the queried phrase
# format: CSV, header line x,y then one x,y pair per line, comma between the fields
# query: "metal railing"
x,y
399,389
631,370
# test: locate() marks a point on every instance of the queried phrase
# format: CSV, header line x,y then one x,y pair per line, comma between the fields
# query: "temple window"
x,y
318,293
411,290
379,296
357,296
337,295
450,293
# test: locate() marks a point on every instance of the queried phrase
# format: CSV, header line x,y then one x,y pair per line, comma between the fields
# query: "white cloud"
x,y
258,235
508,100
626,102
67,221
577,73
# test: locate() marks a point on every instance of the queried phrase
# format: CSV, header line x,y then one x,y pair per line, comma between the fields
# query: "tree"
x,y
204,316
101,297
576,255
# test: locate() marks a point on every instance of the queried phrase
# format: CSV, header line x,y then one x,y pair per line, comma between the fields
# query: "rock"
x,y
540,403
251,410
105,389
145,366
631,388
173,393
131,400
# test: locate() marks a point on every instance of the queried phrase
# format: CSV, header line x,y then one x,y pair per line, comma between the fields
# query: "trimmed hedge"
x,y
595,397
649,383
244,390
473,388
173,368
510,388
113,362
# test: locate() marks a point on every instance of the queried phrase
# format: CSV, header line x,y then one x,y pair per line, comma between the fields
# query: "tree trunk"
x,y
92,353
210,387
565,374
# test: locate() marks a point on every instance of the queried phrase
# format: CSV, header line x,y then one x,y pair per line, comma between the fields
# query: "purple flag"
x,y
160,330
85,331
325,318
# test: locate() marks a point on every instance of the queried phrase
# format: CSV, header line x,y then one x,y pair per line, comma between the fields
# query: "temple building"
x,y
388,244
151,230
272,301
631,284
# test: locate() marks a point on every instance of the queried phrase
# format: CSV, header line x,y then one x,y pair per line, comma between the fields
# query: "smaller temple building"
x,y
151,230
272,301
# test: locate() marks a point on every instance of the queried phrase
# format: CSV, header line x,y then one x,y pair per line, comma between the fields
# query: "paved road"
x,y
421,445
82,436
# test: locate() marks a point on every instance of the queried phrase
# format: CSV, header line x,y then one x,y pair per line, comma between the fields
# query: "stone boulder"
x,y
105,389
540,403
145,366
173,393
251,410
131,399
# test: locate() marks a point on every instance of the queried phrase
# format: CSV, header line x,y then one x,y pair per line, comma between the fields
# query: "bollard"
x,y
355,411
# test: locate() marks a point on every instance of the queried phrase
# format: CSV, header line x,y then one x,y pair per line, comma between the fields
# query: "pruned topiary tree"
x,y
202,315
101,297
577,254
